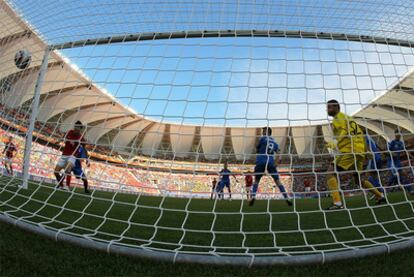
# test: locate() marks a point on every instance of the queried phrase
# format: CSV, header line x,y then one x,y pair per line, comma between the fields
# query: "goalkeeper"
x,y
352,149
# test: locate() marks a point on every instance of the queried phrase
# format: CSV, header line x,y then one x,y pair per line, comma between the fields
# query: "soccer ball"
x,y
22,59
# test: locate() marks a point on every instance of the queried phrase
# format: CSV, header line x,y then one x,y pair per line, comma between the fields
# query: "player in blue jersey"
x,y
398,176
225,174
265,161
77,169
374,162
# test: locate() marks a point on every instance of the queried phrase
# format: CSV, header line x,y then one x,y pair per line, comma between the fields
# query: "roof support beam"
x,y
14,37
388,115
230,33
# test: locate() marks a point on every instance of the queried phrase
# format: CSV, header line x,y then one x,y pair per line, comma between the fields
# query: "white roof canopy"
x,y
69,91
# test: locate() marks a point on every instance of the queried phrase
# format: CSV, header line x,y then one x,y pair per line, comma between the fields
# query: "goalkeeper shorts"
x,y
345,162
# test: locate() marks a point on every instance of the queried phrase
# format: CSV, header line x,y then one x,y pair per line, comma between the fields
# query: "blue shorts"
x,y
222,184
374,164
78,172
260,169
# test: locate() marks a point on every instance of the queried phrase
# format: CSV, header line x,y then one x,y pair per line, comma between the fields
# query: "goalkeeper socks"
x,y
371,188
333,187
376,183
283,191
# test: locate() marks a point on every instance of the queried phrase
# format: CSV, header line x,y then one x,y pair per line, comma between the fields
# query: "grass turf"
x,y
159,222
26,254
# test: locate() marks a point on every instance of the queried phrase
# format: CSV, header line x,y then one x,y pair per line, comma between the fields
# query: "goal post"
x,y
33,114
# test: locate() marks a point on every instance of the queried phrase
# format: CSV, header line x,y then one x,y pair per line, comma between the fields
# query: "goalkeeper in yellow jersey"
x,y
352,150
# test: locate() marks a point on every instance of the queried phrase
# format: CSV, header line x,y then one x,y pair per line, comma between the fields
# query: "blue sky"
x,y
231,81
242,81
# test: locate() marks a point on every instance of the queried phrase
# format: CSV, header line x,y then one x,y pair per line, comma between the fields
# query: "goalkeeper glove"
x,y
331,145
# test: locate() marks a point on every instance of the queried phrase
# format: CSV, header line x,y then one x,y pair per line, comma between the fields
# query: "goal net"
x,y
144,129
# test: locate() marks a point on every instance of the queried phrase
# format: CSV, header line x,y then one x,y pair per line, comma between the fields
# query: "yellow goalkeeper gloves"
x,y
331,145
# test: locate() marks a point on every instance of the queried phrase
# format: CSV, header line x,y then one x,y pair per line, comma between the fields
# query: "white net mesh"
x,y
164,104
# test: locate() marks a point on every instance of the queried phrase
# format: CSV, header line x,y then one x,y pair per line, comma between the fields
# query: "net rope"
x,y
168,93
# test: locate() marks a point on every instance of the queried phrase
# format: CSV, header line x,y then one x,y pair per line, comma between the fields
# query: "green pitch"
x,y
25,254
186,224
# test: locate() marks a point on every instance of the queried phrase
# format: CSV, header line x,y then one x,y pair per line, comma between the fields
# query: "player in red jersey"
x,y
307,184
73,139
248,181
8,152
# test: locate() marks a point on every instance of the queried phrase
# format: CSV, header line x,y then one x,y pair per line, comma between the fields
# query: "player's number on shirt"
x,y
270,148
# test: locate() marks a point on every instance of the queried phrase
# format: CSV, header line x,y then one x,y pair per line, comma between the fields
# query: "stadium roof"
x,y
69,91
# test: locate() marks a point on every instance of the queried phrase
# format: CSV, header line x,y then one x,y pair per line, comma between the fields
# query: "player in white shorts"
x,y
73,139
